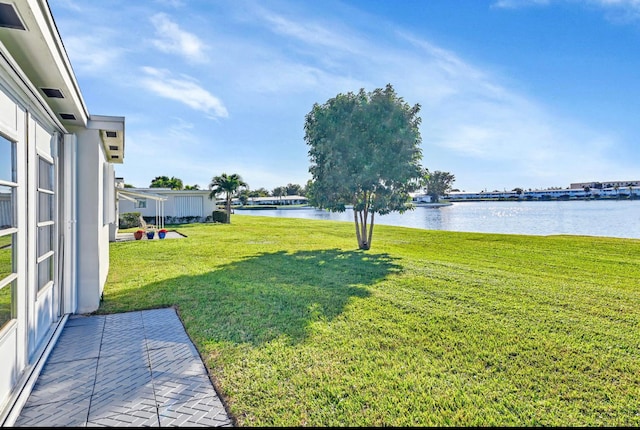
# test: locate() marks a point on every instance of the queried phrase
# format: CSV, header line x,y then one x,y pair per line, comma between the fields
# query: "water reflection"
x,y
617,218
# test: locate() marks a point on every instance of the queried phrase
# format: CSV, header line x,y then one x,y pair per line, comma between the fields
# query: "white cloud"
x,y
172,39
309,32
92,53
618,11
185,90
513,4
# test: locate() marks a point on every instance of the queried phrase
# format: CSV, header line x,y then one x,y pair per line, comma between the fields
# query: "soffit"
x,y
39,52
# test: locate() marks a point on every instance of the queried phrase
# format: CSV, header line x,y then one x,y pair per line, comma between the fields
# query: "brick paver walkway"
x,y
130,369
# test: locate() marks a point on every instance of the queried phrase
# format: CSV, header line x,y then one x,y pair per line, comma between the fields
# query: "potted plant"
x,y
138,234
150,234
162,233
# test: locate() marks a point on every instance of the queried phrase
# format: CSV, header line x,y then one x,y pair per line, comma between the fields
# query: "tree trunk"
x,y
228,209
371,230
355,220
362,234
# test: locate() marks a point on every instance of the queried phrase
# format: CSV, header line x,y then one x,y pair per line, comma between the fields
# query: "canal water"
x,y
611,218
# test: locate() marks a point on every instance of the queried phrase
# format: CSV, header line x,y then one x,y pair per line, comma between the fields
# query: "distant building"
x,y
278,201
562,194
605,184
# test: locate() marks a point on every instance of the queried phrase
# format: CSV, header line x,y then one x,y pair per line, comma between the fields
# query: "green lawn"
x,y
435,328
6,268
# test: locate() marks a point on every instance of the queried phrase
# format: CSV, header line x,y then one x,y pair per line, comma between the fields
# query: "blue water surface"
x,y
611,218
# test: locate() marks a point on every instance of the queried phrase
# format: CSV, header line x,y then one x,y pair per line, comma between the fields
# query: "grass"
x,y
428,328
6,268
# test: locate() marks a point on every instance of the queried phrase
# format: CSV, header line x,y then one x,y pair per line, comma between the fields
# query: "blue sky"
x,y
514,93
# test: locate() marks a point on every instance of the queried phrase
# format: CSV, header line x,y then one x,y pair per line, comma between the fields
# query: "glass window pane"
x,y
45,207
45,272
7,255
7,303
45,239
45,174
7,207
7,160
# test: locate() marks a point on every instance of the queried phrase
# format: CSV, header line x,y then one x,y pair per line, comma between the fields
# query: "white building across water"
x,y
57,196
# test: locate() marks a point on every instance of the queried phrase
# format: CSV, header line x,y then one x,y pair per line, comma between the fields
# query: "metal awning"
x,y
140,194
133,196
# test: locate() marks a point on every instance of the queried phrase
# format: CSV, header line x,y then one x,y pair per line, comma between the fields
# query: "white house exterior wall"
x,y
64,197
182,203
93,229
34,133
185,206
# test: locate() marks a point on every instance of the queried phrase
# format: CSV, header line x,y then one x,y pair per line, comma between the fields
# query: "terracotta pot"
x,y
137,235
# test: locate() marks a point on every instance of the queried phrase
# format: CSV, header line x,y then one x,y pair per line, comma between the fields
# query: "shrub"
x,y
219,216
129,220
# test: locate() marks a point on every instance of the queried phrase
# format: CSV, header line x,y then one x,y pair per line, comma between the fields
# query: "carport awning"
x,y
133,195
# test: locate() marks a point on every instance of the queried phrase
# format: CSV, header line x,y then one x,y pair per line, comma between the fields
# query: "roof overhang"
x,y
37,48
111,134
29,33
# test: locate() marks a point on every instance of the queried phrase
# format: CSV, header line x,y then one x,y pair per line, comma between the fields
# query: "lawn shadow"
x,y
264,297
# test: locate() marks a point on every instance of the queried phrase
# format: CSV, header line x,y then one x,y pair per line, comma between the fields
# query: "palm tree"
x,y
279,192
227,184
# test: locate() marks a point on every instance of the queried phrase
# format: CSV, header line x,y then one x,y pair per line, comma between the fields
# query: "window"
x,y
46,223
7,207
8,231
141,203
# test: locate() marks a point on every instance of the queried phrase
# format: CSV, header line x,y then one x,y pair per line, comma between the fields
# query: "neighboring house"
x,y
57,196
174,206
277,201
420,197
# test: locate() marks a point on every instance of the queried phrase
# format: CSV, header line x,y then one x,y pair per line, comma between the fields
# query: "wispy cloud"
x,y
172,39
92,53
514,4
472,112
310,32
184,90
617,11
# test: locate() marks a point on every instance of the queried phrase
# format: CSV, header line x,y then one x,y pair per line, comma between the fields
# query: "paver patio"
x,y
130,369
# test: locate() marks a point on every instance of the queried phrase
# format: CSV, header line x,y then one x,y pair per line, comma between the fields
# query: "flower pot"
x,y
137,235
150,234
162,234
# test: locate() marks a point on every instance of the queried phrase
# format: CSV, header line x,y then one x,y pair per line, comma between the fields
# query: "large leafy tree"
x,y
260,192
167,182
365,152
227,185
294,190
438,183
279,191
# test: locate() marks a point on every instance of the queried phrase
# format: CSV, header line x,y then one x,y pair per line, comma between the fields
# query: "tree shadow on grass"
x,y
264,297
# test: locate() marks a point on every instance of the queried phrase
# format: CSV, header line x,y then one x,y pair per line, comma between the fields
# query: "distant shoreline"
x,y
572,199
